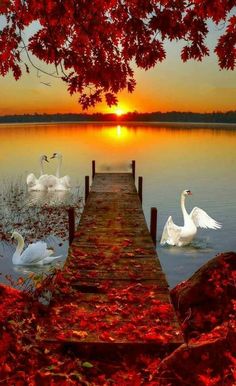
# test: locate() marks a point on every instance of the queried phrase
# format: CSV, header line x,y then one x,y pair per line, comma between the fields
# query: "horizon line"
x,y
115,115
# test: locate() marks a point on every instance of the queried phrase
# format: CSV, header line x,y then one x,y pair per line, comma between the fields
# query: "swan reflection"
x,y
50,198
30,271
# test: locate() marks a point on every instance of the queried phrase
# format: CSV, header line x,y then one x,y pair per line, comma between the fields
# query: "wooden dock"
x,y
120,294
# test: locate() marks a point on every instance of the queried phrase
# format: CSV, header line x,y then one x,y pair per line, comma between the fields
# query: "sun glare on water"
x,y
117,133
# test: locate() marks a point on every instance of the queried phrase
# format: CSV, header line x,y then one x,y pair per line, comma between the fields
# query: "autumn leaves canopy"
x,y
93,45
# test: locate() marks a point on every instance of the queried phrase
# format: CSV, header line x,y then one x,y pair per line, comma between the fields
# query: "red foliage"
x,y
92,44
12,301
226,47
38,340
208,298
206,361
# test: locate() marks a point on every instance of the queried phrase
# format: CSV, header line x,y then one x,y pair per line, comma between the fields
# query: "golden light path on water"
x,y
118,133
169,157
173,152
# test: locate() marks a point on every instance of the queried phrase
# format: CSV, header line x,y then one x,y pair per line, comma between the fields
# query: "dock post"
x,y
93,169
86,187
71,220
153,225
133,169
140,188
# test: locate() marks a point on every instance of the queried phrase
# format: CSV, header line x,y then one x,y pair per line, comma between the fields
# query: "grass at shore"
x,y
35,215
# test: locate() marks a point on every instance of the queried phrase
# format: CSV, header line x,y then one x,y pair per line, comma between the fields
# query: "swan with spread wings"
x,y
183,235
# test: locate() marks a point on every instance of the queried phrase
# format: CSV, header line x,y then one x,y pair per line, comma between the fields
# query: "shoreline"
x,y
158,124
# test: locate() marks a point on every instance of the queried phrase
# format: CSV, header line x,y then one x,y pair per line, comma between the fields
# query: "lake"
x,y
170,157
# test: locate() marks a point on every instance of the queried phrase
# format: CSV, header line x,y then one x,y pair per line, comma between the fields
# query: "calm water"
x,y
170,159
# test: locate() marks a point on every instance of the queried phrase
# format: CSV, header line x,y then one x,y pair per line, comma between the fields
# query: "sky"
x,y
171,85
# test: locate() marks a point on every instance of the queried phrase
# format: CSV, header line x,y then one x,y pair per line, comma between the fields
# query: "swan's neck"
x,y
41,167
19,248
58,172
184,211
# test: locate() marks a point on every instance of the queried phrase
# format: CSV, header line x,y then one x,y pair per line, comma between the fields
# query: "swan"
x,y
35,254
183,235
59,183
40,183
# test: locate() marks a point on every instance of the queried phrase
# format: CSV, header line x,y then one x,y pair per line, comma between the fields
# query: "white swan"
x,y
39,184
59,183
183,235
35,254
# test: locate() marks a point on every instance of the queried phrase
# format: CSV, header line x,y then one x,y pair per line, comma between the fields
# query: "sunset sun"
x,y
119,112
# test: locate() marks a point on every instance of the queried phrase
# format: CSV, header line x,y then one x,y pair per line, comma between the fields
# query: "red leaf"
x,y
106,336
111,99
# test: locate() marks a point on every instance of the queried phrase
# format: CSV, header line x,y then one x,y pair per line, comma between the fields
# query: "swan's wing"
x,y
49,259
50,251
48,180
34,253
66,181
203,220
31,179
171,233
43,177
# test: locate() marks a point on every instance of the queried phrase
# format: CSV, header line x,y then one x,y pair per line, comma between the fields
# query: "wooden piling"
x,y
140,188
153,225
71,220
93,169
86,187
133,169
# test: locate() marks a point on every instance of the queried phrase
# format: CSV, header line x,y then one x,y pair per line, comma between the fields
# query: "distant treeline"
x,y
173,116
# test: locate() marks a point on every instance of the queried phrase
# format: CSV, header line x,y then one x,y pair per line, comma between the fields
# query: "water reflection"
x,y
170,157
115,166
200,244
28,271
118,133
7,249
51,198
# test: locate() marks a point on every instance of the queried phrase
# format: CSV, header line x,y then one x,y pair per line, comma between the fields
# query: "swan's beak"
x,y
52,156
46,159
190,193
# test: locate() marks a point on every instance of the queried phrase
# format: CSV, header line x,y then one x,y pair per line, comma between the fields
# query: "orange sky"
x,y
172,85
